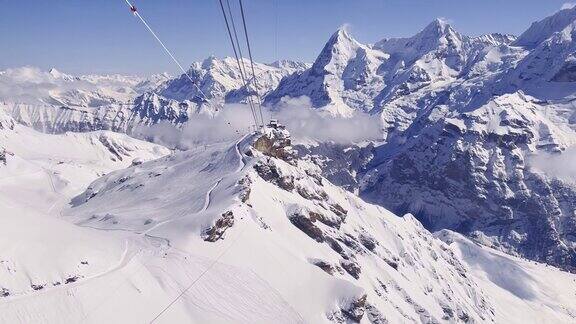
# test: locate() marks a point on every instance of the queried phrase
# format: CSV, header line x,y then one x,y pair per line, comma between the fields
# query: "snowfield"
x,y
242,231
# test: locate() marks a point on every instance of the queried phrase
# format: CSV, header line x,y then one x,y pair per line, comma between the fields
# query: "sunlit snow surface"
x,y
133,241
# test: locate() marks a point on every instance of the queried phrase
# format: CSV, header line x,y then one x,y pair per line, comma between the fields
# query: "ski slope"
x,y
228,233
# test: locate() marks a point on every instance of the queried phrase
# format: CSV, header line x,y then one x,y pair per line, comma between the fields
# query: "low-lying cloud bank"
x,y
234,120
560,165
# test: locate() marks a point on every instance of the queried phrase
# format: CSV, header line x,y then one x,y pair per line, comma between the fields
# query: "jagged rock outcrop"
x,y
216,232
275,142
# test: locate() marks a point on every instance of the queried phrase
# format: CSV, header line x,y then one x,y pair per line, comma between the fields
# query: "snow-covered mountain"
x,y
55,102
220,79
245,231
462,117
29,85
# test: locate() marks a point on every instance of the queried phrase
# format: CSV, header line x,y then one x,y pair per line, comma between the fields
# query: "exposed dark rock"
x,y
351,242
351,267
355,311
448,312
244,183
37,287
327,267
275,142
216,232
338,210
315,176
339,163
307,226
463,316
71,279
3,156
391,263
368,241
4,292
374,315
334,245
270,173
112,148
136,161
334,222
311,195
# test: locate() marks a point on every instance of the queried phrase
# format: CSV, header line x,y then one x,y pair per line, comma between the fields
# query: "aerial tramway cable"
x,y
238,60
137,14
251,60
246,79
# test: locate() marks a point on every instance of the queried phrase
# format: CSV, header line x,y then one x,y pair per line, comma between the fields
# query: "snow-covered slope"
x,y
40,253
237,232
526,291
62,163
286,243
461,114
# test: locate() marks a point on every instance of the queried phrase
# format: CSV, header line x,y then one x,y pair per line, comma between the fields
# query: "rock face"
x,y
275,142
462,117
217,231
477,180
356,310
3,156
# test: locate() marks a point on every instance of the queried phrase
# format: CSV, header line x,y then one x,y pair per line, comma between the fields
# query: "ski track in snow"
x,y
127,257
207,199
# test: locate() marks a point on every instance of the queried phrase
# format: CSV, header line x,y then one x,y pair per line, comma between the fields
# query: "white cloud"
x,y
446,20
561,166
303,122
347,27
568,5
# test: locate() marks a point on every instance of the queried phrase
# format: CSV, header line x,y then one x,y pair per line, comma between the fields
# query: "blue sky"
x,y
101,36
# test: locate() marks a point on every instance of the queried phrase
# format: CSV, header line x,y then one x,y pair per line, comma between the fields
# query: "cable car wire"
x,y
237,59
251,60
137,14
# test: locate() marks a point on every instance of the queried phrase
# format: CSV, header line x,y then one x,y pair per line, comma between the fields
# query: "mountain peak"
x,y
209,61
438,28
341,36
541,30
55,73
339,48
342,31
438,33
59,75
439,23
